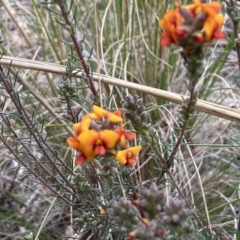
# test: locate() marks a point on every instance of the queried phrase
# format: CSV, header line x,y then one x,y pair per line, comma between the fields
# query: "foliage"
x,y
83,159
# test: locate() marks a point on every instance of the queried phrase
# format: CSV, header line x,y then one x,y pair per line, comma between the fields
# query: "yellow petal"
x,y
213,6
135,150
209,27
113,117
100,112
74,143
132,152
121,157
109,137
122,141
87,140
219,20
102,212
93,116
82,126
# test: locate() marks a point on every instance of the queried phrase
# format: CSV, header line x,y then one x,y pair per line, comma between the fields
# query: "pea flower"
x,y
192,24
99,133
124,136
82,126
99,113
92,143
102,212
96,143
128,156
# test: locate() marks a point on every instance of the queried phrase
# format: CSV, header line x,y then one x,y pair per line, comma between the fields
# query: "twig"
x,y
187,113
77,46
31,154
69,109
31,171
40,99
183,197
34,131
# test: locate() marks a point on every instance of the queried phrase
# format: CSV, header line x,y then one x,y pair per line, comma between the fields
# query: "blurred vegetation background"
x,y
118,39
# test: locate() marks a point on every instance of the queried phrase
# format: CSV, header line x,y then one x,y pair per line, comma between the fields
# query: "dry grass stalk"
x,y
202,106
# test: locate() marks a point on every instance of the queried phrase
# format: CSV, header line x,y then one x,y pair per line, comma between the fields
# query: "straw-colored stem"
x,y
202,106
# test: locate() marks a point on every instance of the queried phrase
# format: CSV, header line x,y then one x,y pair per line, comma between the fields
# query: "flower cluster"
x,y
152,201
102,132
192,25
149,216
124,213
135,111
175,216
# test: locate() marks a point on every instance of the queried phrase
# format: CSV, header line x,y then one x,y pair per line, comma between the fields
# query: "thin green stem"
x,y
77,46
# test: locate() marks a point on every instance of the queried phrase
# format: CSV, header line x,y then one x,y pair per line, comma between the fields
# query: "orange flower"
x,y
170,21
198,6
82,126
213,22
102,212
90,142
193,23
74,143
124,136
128,156
93,143
213,25
99,113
